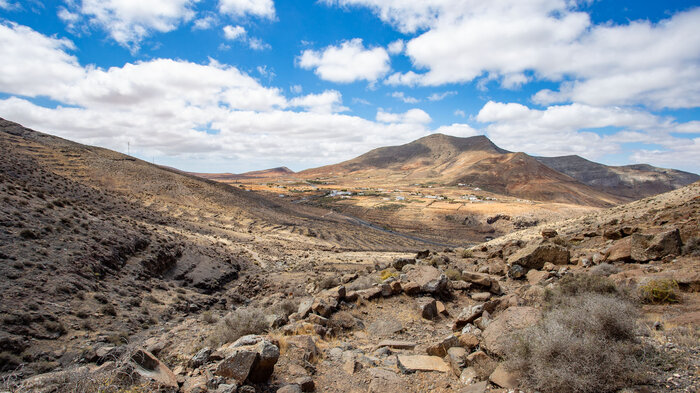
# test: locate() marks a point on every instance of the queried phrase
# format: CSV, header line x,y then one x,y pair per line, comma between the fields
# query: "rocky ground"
x,y
117,285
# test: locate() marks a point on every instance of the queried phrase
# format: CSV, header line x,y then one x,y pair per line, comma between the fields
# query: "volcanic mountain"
x,y
478,162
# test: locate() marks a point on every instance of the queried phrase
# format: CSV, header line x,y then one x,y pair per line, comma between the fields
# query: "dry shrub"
x,y
285,307
604,269
585,342
577,284
237,324
209,317
467,253
453,274
660,292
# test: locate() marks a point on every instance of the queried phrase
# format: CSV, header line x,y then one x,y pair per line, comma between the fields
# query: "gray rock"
x,y
291,388
305,307
427,307
535,255
457,358
200,357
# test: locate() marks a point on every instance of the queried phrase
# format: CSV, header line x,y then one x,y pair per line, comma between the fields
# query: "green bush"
x,y
660,292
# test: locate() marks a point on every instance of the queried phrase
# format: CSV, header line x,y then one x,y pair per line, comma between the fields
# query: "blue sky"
x,y
238,85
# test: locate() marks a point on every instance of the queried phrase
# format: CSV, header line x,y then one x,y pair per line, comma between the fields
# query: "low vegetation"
x,y
585,342
237,324
659,292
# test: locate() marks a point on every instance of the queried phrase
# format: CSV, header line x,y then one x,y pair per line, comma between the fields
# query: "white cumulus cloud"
x,y
348,62
240,8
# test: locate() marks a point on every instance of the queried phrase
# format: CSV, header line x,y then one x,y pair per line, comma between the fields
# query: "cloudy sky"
x,y
238,85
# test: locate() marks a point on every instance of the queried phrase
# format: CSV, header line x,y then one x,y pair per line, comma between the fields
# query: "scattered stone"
x,y
468,375
291,388
399,263
422,363
386,290
150,368
396,344
457,358
483,280
548,233
305,344
482,363
196,384
306,384
395,287
468,341
441,309
479,387
460,285
227,388
534,255
317,319
427,307
370,293
384,381
440,349
468,315
516,272
504,378
513,318
411,288
537,276
237,366
305,307
200,357
323,307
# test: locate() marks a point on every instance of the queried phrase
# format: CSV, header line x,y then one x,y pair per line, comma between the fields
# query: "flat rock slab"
x,y
423,363
385,327
396,344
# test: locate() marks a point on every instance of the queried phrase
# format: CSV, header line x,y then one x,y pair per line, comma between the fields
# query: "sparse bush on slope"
x,y
585,342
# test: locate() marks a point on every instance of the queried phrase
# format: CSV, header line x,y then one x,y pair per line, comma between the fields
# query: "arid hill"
x,y
262,174
628,181
477,162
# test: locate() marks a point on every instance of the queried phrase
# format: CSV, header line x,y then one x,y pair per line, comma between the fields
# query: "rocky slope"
x,y
629,181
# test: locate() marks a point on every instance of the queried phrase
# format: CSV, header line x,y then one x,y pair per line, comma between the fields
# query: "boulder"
x,y
227,388
421,274
548,233
496,334
484,281
150,368
645,248
252,359
468,376
369,293
534,255
441,309
305,345
412,363
385,327
516,272
337,293
481,296
324,306
427,307
503,378
620,251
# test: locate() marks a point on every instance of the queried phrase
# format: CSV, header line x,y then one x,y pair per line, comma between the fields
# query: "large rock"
x,y
304,345
324,306
645,248
422,363
196,384
535,255
496,335
428,278
254,362
305,307
482,364
484,281
620,251
150,368
396,344
458,359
